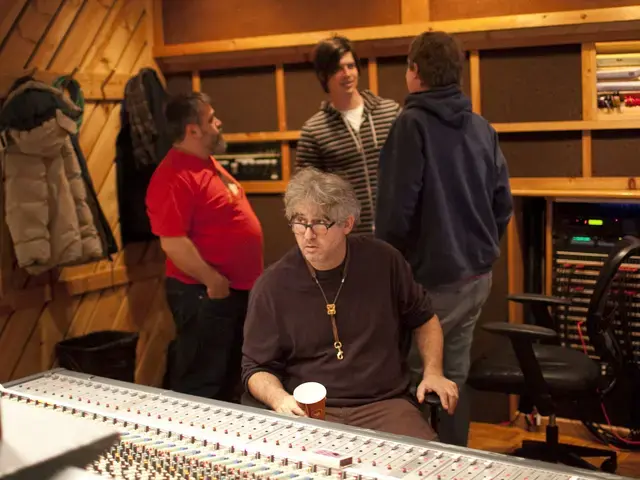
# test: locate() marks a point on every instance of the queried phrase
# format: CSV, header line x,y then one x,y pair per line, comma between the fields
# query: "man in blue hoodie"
x,y
444,201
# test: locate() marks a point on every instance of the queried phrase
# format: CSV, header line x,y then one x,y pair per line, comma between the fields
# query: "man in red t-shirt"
x,y
214,247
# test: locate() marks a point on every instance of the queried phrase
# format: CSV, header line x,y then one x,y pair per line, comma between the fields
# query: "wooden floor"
x,y
504,439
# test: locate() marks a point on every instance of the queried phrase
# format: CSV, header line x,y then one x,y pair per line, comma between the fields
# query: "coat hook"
x,y
69,77
106,80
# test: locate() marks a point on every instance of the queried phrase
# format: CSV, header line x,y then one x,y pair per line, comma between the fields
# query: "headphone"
x,y
601,334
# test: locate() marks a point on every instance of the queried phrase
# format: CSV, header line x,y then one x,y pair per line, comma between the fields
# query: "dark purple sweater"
x,y
288,332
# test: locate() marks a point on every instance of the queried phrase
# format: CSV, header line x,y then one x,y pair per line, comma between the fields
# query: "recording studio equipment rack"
x,y
168,435
583,235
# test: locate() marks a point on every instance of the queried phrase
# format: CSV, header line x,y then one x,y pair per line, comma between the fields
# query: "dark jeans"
x,y
204,358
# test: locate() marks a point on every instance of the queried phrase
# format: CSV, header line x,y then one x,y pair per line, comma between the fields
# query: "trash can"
x,y
108,353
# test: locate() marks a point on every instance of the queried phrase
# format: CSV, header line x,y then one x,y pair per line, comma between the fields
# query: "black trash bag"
x,y
108,353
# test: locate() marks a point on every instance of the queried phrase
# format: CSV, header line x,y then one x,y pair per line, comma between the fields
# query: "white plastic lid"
x,y
309,392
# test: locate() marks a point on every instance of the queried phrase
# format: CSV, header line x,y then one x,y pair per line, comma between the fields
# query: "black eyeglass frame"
x,y
312,226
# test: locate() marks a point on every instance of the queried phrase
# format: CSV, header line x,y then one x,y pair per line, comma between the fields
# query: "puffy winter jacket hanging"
x,y
46,207
72,87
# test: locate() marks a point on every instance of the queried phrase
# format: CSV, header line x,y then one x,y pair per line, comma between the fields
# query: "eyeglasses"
x,y
319,229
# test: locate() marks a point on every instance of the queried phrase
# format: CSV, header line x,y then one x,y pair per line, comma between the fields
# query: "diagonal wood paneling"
x,y
11,9
81,34
53,38
92,37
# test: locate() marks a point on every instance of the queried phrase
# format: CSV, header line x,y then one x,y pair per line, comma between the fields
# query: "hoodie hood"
x,y
33,103
45,140
448,104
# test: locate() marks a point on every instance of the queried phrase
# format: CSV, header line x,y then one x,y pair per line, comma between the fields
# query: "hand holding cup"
x,y
312,398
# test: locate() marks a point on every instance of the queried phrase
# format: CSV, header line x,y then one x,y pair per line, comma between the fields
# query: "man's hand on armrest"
x,y
266,388
185,255
429,339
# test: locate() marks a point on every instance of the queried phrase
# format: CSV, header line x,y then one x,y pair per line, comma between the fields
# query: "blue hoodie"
x,y
443,195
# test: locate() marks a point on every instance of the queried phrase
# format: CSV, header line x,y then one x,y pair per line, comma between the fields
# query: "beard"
x,y
218,145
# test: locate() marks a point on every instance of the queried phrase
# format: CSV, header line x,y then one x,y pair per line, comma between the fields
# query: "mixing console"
x,y
169,435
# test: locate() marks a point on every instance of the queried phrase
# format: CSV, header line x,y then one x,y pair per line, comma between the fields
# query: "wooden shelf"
x,y
629,123
621,120
262,136
266,186
621,23
567,193
579,187
617,47
37,295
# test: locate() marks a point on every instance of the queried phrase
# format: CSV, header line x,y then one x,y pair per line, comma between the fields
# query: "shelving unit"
x,y
618,80
542,100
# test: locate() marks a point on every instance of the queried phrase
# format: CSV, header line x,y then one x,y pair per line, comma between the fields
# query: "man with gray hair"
x,y
339,310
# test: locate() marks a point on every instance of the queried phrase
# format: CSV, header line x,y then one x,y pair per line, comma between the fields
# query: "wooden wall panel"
x,y
457,9
87,24
111,39
548,154
278,238
179,84
244,100
615,153
391,78
23,38
202,20
304,93
531,84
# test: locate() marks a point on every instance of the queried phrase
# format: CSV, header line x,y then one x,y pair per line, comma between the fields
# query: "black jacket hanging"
x,y
141,144
104,229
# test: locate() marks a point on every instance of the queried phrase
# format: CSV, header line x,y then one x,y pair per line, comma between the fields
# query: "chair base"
x,y
570,455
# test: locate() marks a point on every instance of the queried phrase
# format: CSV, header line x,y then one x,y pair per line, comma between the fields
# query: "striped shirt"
x,y
329,143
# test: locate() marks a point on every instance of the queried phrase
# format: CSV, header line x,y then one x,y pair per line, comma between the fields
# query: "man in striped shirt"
x,y
345,136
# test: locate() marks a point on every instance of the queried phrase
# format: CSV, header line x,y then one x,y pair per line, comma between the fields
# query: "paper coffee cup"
x,y
311,397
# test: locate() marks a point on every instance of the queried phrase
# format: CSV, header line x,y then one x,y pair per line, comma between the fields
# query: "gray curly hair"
x,y
331,194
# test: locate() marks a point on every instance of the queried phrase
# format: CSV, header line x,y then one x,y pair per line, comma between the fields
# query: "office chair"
x,y
537,366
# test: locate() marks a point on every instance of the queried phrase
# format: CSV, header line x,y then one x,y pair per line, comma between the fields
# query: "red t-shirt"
x,y
201,200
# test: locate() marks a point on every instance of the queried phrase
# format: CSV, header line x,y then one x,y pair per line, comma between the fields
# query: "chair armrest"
x,y
534,298
432,399
522,337
539,306
520,331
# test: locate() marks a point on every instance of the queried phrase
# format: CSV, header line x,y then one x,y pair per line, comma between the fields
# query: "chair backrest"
x,y
600,329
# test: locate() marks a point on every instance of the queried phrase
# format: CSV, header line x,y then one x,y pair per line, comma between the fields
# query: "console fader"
x,y
169,435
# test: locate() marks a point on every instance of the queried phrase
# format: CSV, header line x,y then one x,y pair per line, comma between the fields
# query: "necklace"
x,y
331,307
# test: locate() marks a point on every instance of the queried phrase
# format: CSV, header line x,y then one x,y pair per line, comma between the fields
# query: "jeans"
x,y
205,357
458,306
